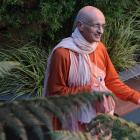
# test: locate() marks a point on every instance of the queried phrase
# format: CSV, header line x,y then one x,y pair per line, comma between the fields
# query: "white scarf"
x,y
80,70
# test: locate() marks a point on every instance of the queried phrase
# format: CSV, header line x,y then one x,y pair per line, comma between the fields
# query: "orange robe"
x,y
58,78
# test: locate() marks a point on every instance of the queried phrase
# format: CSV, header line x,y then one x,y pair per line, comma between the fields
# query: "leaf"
x,y
7,66
67,135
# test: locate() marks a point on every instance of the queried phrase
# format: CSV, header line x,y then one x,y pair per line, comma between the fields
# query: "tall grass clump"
x,y
27,78
121,39
122,33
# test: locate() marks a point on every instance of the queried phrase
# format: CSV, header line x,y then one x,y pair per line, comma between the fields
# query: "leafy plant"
x,y
120,128
121,41
34,20
27,79
7,66
55,10
41,20
46,22
32,119
67,135
122,33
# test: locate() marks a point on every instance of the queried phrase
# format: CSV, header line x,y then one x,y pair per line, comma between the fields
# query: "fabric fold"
x,y
82,71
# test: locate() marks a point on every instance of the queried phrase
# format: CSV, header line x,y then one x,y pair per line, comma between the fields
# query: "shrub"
x,y
46,22
27,78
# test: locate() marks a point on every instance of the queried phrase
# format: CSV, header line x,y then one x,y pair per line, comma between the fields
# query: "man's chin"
x,y
97,39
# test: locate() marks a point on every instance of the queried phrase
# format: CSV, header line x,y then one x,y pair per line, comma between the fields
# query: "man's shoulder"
x,y
63,52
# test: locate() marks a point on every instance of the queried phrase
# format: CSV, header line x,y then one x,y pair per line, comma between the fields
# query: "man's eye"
x,y
98,26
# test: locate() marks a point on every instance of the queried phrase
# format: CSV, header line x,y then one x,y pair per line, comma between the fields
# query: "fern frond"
x,y
51,107
29,121
26,119
41,114
12,125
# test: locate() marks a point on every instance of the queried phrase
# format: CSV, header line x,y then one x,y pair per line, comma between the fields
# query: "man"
x,y
80,63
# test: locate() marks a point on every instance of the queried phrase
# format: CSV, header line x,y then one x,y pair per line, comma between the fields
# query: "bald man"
x,y
80,63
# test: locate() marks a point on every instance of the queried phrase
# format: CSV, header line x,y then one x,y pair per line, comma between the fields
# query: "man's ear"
x,y
80,26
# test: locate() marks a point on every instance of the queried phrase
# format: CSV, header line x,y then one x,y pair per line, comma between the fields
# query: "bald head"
x,y
90,22
87,14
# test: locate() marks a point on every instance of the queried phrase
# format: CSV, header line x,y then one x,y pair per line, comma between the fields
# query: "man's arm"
x,y
116,86
58,76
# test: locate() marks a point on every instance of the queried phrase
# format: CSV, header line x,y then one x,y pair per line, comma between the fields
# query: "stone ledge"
x,y
127,110
130,73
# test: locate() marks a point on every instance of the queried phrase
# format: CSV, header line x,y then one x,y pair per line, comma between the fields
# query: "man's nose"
x,y
100,30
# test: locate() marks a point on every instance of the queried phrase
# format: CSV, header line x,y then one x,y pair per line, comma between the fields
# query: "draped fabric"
x,y
83,72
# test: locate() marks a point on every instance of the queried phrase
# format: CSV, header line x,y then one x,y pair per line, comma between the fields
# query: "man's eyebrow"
x,y
98,23
92,24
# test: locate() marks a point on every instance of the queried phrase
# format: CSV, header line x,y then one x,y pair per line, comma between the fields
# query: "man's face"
x,y
93,30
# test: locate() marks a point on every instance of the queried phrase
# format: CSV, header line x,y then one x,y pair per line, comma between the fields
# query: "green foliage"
x,y
49,21
115,9
32,122
14,125
31,119
67,135
40,113
54,14
46,22
122,43
6,66
121,35
120,128
44,18
28,77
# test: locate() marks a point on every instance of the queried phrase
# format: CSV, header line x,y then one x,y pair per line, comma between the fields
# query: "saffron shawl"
x,y
82,72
